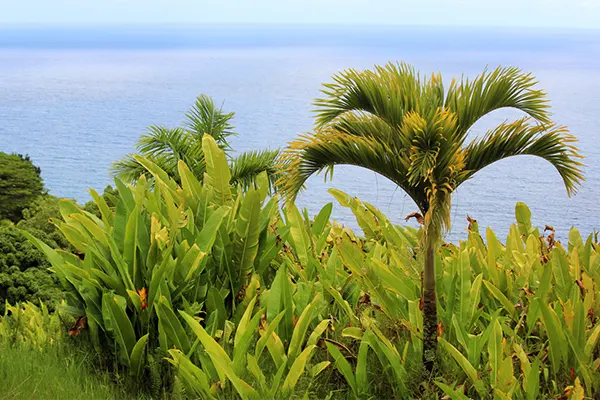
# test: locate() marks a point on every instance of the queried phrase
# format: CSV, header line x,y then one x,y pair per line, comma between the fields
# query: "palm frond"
x,y
388,92
316,152
367,125
548,141
205,118
165,147
248,165
501,88
160,140
127,169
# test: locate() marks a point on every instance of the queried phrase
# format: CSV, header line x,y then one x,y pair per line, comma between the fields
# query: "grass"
x,y
54,372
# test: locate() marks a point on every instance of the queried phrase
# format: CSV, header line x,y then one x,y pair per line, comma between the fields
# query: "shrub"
x,y
38,219
23,272
20,184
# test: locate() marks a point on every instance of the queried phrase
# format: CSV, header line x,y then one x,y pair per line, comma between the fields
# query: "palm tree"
x,y
166,146
413,131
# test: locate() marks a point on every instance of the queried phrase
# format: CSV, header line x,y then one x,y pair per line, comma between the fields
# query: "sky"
x,y
522,13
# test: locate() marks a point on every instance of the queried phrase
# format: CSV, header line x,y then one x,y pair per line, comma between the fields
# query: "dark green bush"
x,y
39,219
23,272
20,185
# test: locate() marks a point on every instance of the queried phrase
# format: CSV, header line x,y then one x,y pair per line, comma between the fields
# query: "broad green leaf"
x,y
244,334
343,304
297,368
523,216
247,231
277,350
214,350
322,219
495,351
317,369
298,234
494,291
362,380
107,215
216,302
532,387
206,239
466,367
314,337
122,328
137,356
266,334
194,378
581,360
256,371
300,329
558,342
171,326
343,366
218,174
353,332
590,345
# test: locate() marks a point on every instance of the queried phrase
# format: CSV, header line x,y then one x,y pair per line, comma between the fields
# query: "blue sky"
x,y
524,13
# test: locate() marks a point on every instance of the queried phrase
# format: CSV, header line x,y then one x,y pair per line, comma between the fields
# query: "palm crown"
x,y
166,146
412,131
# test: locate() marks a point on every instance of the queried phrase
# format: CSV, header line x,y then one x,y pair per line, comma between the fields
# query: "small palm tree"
x,y
413,131
166,146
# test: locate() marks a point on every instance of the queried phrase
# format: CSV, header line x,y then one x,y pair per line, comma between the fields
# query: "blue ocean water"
x,y
76,100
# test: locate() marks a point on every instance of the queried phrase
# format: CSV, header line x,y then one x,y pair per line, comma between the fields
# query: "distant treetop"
x,y
20,184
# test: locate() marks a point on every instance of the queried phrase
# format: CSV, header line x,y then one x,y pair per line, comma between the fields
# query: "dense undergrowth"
x,y
39,361
205,291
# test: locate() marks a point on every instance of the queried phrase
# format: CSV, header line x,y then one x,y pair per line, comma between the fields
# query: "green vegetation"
x,y
165,147
23,272
38,219
38,362
189,283
413,132
20,185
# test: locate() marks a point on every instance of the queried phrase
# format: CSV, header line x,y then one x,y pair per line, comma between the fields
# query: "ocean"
x,y
76,99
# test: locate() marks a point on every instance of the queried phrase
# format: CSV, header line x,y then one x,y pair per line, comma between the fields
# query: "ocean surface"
x,y
76,100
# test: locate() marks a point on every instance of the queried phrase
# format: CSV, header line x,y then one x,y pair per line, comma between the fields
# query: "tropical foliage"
x,y
165,147
29,325
248,301
193,283
191,247
20,185
414,132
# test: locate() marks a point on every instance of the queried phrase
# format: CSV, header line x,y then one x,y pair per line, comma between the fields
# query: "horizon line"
x,y
140,25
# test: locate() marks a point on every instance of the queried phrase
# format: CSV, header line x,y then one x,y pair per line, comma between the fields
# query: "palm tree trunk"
x,y
429,311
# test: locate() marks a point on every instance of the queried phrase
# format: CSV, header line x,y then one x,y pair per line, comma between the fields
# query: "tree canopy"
x,y
20,184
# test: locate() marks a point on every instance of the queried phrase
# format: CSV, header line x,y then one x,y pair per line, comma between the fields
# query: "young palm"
x,y
412,131
166,146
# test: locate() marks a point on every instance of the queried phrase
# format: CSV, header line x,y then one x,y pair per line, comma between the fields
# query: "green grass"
x,y
55,372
